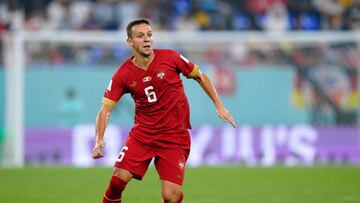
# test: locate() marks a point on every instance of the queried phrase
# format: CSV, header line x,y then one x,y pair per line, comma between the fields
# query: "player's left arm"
x,y
210,90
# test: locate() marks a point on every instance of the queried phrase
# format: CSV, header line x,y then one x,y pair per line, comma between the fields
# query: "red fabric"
x,y
136,158
162,114
114,190
181,197
169,162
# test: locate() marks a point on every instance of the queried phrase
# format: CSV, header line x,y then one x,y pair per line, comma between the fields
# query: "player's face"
x,y
141,40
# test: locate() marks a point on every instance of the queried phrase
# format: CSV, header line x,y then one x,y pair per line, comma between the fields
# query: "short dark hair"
x,y
133,23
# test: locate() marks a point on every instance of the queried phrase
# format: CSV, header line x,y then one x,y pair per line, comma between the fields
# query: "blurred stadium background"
x,y
288,70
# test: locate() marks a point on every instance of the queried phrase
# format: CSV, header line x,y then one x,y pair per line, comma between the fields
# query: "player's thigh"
x,y
135,158
170,164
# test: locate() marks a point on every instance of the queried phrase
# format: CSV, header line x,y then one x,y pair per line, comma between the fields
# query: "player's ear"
x,y
129,41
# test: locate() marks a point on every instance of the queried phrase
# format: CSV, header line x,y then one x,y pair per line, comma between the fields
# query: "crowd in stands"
x,y
279,15
184,15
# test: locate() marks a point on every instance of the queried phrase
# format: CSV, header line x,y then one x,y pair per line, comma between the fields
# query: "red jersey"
x,y
162,114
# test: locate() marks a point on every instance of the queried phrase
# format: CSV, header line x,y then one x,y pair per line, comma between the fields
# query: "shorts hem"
x,y
180,182
136,176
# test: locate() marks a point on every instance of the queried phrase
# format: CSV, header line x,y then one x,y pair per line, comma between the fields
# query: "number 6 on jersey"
x,y
151,96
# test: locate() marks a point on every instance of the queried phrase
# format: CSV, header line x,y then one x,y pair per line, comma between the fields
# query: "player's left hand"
x,y
96,152
225,115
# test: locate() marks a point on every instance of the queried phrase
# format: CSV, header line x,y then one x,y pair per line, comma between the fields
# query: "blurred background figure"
x,y
71,109
351,17
276,18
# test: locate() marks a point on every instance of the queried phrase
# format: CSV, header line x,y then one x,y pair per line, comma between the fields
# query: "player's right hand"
x,y
96,152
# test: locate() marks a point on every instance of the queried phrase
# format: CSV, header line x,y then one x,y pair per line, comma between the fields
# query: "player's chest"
x,y
156,78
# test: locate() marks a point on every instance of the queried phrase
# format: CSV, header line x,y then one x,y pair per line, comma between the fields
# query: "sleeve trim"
x,y
108,102
195,72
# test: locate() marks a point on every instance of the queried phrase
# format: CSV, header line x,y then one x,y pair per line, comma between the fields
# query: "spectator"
x,y
65,22
351,17
71,109
79,12
126,11
186,22
331,11
91,22
56,12
303,16
104,13
276,18
255,9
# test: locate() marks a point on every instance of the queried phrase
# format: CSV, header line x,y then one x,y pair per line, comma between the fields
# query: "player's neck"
x,y
142,61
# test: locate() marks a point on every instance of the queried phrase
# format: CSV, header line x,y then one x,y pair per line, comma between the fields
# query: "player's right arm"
x,y
112,94
102,120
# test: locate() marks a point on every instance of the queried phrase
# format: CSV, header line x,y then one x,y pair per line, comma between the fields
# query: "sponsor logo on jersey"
x,y
133,83
147,79
160,75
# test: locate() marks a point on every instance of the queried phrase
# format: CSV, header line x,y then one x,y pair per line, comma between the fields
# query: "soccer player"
x,y
161,122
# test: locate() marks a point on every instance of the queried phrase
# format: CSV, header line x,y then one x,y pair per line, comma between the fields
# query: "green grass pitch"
x,y
330,184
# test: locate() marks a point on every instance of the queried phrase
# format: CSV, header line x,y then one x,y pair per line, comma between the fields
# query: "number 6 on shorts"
x,y
122,154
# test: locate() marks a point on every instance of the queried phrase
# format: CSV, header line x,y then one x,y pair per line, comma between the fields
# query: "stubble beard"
x,y
145,54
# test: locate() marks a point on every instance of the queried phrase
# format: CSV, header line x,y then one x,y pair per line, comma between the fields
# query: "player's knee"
x,y
123,174
114,190
171,195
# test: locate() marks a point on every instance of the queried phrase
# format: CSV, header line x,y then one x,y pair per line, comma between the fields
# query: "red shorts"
x,y
170,163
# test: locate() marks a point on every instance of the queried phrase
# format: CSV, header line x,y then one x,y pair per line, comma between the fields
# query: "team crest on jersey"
x,y
147,79
181,165
160,75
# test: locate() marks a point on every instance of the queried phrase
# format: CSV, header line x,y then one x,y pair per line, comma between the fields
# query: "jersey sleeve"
x,y
185,66
114,91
